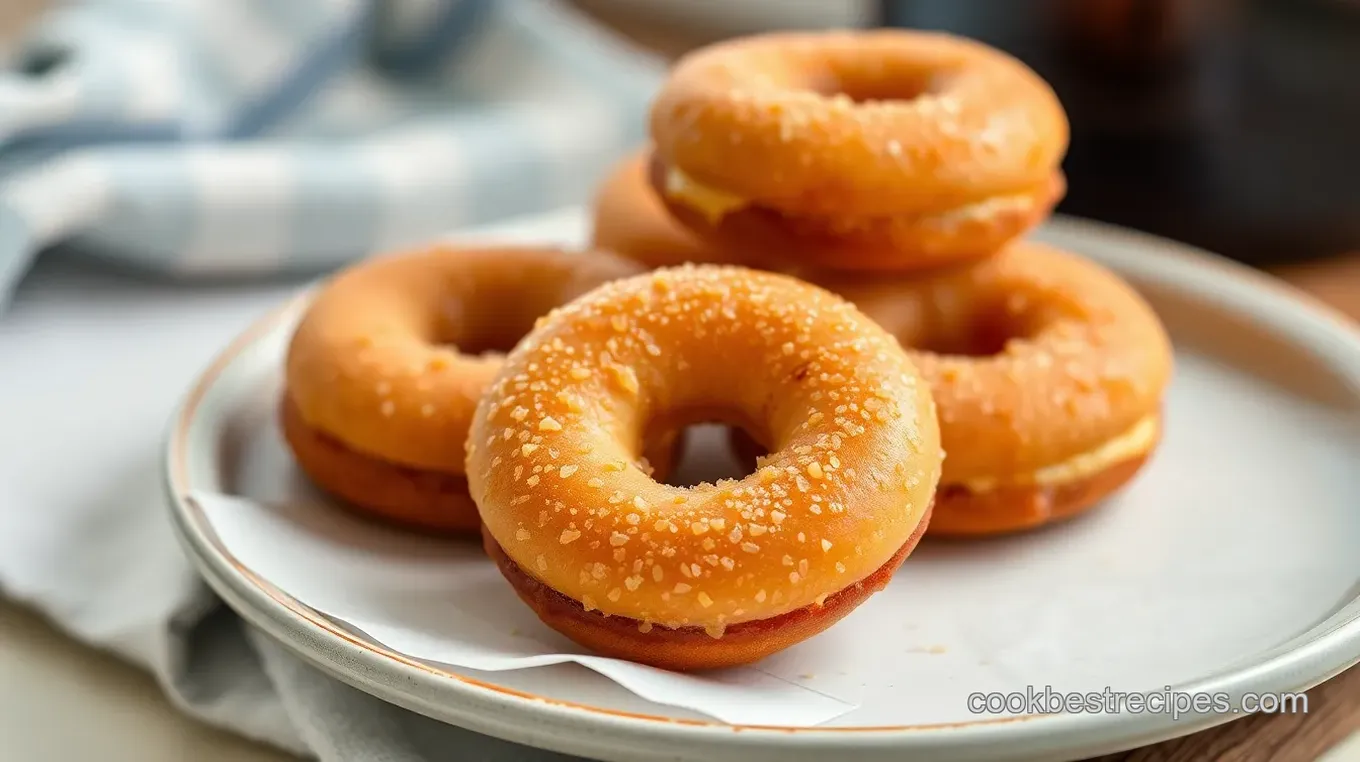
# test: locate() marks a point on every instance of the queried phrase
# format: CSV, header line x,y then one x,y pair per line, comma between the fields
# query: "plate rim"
x,y
577,728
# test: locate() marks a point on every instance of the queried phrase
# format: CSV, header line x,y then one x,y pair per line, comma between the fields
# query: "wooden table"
x,y
1334,707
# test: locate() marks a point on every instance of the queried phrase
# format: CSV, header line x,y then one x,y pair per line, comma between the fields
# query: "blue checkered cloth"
x,y
212,138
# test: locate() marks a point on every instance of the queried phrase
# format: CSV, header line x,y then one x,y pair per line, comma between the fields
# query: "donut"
x,y
869,150
772,240
386,366
630,220
1048,372
720,574
433,500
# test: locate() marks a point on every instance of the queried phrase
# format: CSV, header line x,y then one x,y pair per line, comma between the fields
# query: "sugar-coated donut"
x,y
716,574
868,150
385,369
1048,372
630,220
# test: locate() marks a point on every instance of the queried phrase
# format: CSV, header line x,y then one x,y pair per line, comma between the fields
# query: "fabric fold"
x,y
251,138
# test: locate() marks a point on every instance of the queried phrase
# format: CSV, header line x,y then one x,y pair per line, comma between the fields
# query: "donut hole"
x,y
983,338
705,455
981,329
487,308
745,448
491,320
874,84
487,337
705,458
876,89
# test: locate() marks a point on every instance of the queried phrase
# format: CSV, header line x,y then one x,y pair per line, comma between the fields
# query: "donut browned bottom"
x,y
691,648
1006,508
418,498
960,512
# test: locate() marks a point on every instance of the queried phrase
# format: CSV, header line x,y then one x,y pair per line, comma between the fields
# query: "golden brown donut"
x,y
1048,372
385,369
630,220
420,498
868,150
838,503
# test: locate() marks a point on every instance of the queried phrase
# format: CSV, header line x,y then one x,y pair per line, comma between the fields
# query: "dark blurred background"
x,y
1230,124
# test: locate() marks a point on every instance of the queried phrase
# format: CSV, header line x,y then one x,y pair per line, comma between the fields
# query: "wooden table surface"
x,y
1333,707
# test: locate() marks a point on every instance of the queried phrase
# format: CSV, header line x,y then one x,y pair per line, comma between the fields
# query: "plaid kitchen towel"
x,y
212,138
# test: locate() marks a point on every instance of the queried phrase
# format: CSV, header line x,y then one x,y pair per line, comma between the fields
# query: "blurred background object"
x,y
208,139
1229,124
672,27
14,15
725,18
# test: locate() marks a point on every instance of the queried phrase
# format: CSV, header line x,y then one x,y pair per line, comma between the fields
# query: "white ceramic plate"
x,y
1229,567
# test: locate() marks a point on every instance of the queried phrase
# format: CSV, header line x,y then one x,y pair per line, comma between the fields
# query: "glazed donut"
x,y
1048,372
877,150
387,364
716,574
630,220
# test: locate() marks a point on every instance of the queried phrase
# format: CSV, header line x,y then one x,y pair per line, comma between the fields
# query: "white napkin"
x,y
94,362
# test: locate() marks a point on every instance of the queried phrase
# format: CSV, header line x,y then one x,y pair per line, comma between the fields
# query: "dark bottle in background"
x,y
1229,124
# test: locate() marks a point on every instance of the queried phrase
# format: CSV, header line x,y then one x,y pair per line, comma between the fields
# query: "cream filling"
x,y
1126,446
985,210
712,203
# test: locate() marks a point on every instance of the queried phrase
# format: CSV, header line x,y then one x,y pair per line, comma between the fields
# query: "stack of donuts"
x,y
901,170
823,248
